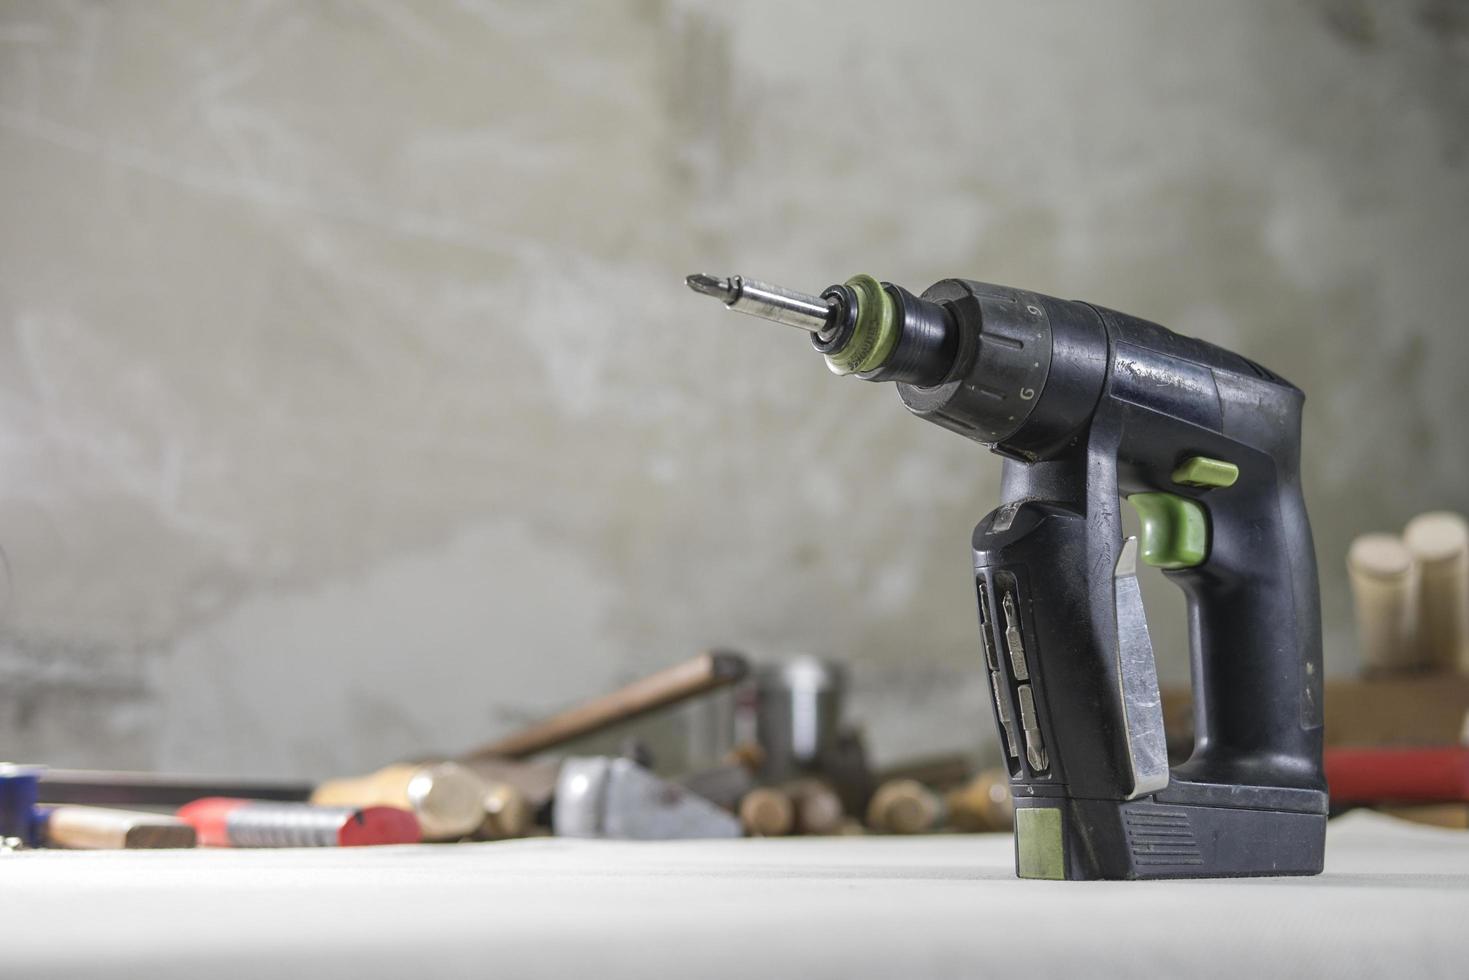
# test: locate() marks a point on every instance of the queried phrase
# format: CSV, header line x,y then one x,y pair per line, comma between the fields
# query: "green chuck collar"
x,y
874,332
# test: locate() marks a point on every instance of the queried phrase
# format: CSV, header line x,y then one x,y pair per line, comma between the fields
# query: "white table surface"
x,y
1394,901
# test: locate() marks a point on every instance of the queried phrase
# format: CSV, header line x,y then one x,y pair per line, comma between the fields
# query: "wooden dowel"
x,y
1385,599
706,672
1439,542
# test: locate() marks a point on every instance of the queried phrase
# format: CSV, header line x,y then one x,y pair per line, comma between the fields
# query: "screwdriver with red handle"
x,y
225,822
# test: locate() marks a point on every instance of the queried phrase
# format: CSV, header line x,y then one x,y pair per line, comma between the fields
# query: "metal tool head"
x,y
617,798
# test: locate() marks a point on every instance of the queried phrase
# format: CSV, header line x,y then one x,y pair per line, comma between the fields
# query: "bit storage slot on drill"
x,y
999,687
1014,639
1007,656
1012,630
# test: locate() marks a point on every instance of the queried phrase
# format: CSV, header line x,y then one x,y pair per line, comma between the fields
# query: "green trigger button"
x,y
1175,530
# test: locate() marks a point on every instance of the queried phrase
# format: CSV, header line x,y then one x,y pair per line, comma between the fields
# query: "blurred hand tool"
x,y
1385,598
102,828
1398,775
1086,405
1439,542
704,673
818,809
447,798
222,822
18,790
603,796
906,806
97,787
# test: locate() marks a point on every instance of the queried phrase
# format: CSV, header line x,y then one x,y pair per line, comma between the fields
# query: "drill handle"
x,y
1213,457
1255,637
1254,623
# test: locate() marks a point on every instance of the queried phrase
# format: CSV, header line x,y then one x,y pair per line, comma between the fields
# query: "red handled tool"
x,y
224,822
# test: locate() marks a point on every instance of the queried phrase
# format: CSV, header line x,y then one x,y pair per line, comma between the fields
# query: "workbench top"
x,y
1393,901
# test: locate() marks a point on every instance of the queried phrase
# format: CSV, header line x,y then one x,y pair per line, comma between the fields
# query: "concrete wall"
x,y
351,404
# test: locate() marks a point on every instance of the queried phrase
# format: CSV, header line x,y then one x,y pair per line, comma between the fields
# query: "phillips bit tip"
x,y
721,289
810,313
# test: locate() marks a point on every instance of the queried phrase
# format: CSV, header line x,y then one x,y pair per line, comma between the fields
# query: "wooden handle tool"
x,y
706,672
102,828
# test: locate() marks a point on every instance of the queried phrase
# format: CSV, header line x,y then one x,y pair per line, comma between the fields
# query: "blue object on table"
x,y
19,785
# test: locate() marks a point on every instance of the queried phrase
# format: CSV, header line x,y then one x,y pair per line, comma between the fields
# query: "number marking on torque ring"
x,y
1033,310
1026,394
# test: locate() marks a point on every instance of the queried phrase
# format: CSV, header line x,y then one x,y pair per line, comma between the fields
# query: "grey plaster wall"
x,y
351,404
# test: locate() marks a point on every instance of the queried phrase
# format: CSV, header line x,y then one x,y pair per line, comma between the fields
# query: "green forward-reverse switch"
x,y
1202,471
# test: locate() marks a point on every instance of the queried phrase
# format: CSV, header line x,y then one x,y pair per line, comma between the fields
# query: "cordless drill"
x,y
1088,406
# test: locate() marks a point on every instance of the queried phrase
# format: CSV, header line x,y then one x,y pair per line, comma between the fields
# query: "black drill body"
x,y
1088,406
